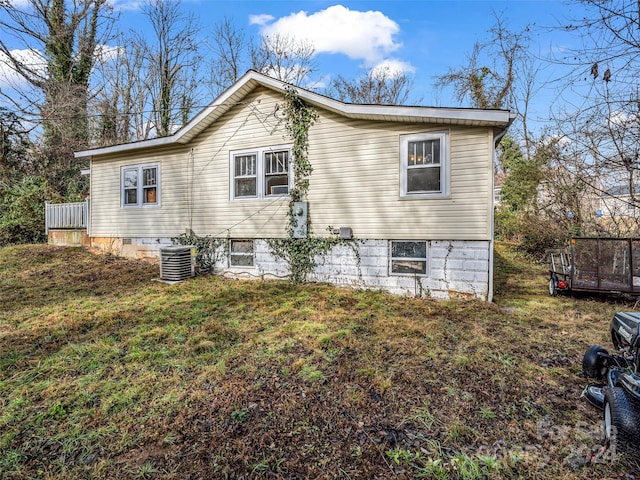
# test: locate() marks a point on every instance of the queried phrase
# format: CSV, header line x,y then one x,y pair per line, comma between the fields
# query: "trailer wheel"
x,y
621,421
553,290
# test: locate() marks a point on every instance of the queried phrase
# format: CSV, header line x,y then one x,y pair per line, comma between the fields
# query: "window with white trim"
x,y
424,165
261,172
245,180
140,185
241,253
409,257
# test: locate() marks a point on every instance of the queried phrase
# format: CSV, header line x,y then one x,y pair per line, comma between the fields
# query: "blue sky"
x,y
424,38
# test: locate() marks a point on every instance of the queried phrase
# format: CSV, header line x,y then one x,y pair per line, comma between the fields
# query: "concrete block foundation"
x,y
454,268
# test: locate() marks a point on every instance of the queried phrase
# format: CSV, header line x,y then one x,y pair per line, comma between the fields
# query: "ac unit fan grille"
x,y
177,263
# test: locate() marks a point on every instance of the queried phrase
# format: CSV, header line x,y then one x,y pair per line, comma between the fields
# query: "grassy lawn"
x,y
105,373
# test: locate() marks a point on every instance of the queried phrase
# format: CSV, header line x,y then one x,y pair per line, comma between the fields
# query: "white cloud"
x,y
126,5
393,66
33,59
106,53
619,118
20,3
260,19
368,36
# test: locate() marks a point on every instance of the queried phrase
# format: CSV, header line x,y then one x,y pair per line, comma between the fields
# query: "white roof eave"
x,y
126,147
232,96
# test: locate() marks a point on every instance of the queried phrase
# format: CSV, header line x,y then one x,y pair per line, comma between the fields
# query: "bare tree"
x,y
230,50
172,63
488,78
62,37
603,123
500,73
285,58
14,145
378,86
609,49
119,107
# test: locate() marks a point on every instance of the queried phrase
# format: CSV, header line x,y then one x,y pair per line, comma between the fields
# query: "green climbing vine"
x,y
209,250
300,117
301,253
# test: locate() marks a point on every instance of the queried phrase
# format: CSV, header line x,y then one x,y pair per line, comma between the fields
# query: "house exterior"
x,y
619,201
414,186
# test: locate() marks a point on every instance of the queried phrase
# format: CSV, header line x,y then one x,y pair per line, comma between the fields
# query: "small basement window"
x,y
241,253
409,257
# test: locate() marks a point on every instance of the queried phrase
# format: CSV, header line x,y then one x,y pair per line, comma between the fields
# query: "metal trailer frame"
x,y
596,264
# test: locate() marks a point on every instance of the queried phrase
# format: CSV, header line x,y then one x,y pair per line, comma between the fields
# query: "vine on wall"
x,y
209,250
301,253
300,117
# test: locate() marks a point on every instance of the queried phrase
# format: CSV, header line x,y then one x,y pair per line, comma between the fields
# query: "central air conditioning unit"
x,y
177,263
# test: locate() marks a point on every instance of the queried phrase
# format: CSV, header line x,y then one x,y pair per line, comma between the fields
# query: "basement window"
x,y
409,257
241,253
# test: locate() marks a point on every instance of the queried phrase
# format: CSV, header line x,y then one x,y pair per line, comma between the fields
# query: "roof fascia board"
x,y
355,110
155,142
176,137
218,103
499,118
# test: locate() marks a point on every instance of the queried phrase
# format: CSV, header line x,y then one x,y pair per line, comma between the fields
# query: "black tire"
x,y
621,422
553,289
594,366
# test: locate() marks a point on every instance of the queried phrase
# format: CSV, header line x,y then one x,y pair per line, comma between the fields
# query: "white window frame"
x,y
261,175
424,259
443,136
233,254
140,188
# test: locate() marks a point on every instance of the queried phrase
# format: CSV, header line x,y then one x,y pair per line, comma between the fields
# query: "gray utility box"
x,y
300,211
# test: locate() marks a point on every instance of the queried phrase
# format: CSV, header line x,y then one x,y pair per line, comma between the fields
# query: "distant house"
x,y
498,182
617,202
414,184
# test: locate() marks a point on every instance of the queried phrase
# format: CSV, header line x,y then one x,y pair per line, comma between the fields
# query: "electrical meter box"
x,y
299,212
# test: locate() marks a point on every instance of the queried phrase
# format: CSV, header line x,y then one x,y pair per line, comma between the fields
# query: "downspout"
x,y
89,209
46,218
496,141
88,201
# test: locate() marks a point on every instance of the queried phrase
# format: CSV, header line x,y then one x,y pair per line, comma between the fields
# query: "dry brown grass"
x,y
106,374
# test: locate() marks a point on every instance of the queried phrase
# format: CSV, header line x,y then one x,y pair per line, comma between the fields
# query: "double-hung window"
x,y
276,172
424,165
245,175
409,257
140,185
261,173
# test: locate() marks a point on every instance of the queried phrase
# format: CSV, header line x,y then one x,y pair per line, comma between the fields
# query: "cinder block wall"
x,y
455,268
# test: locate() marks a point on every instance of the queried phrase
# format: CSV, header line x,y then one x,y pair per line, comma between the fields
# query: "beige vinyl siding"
x,y
108,216
194,183
355,182
249,125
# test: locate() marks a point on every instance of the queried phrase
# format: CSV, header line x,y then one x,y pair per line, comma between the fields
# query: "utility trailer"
x,y
605,265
